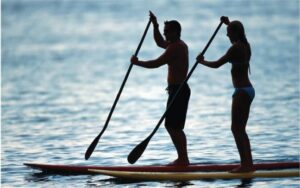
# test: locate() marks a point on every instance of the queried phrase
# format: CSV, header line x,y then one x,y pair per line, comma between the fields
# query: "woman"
x,y
239,56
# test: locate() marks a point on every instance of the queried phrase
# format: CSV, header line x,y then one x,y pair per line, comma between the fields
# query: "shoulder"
x,y
234,48
178,45
237,52
182,44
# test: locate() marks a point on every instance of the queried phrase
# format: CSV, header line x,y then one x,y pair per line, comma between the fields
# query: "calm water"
x,y
63,63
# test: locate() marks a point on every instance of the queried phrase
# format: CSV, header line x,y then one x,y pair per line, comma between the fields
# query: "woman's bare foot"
x,y
243,169
178,162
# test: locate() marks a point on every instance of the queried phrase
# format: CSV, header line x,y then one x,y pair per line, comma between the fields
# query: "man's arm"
x,y
165,58
156,33
159,38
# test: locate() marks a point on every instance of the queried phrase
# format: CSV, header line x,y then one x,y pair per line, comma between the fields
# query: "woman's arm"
x,y
216,64
213,64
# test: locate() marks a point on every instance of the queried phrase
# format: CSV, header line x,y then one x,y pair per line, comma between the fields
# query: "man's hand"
x,y
200,59
153,19
225,20
134,60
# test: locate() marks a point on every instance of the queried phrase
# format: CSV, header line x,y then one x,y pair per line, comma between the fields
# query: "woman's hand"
x,y
200,59
225,20
134,60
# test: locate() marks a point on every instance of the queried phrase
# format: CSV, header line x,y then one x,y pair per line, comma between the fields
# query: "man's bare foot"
x,y
178,162
243,169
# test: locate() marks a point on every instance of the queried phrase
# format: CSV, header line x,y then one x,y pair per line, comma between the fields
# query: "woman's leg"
x,y
239,115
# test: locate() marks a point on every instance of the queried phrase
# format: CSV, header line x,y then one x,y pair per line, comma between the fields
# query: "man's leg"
x,y
179,139
174,124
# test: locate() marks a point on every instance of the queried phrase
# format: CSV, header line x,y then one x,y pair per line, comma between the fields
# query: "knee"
x,y
238,131
174,132
233,129
168,129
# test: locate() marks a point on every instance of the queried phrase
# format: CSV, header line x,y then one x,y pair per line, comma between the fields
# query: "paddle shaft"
x,y
96,140
137,152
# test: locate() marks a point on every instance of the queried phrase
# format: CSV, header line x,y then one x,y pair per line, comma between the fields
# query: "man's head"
x,y
172,30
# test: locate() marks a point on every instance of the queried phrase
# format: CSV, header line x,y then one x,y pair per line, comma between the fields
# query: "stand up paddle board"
x,y
79,169
188,176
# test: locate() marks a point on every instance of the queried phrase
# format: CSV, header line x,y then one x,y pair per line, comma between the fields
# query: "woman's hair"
x,y
238,28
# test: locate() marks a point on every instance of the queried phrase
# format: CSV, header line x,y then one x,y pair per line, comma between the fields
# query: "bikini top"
x,y
241,65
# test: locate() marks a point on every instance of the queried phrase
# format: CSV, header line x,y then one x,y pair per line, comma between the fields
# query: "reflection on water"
x,y
63,63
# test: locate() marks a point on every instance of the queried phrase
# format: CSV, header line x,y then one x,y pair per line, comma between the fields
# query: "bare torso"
x,y
178,63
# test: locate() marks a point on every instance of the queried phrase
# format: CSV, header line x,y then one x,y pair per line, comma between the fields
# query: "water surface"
x,y
63,63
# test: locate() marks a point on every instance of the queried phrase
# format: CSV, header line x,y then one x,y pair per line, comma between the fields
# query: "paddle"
x,y
136,153
93,145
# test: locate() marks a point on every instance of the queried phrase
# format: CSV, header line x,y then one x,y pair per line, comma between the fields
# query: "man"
x,y
176,57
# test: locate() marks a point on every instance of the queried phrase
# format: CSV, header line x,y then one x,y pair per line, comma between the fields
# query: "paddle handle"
x,y
93,145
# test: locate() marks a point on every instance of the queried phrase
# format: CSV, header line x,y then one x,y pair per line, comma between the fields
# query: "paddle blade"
x,y
91,148
136,153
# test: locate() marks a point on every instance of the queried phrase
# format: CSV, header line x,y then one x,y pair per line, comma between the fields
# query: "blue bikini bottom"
x,y
249,90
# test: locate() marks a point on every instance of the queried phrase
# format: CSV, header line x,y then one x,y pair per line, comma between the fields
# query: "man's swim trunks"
x,y
176,115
